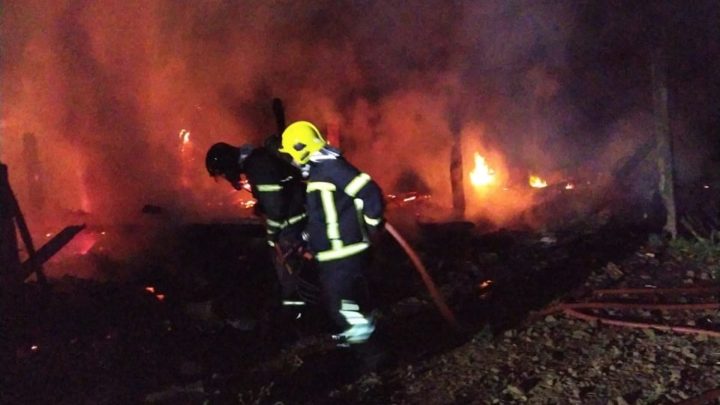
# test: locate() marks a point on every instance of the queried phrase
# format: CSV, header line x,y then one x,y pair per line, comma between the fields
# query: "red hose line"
x,y
679,290
641,325
634,305
702,399
435,294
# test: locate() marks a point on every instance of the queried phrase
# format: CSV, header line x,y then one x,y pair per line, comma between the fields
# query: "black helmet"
x,y
222,159
226,160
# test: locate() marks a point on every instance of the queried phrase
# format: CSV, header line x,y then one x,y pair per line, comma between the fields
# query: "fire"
x,y
537,182
186,157
482,174
248,203
184,136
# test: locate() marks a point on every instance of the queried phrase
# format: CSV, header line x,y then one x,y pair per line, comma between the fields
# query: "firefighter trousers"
x,y
345,289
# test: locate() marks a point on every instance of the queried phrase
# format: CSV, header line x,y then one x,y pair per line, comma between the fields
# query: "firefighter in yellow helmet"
x,y
344,207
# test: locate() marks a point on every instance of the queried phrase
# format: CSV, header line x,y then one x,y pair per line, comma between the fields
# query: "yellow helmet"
x,y
300,139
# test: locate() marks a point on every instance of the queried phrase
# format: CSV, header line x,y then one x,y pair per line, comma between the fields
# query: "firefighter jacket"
x,y
278,188
343,206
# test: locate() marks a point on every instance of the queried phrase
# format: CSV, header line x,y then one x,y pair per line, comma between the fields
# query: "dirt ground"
x,y
191,321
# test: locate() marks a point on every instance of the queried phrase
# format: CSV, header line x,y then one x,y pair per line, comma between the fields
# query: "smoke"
x,y
107,87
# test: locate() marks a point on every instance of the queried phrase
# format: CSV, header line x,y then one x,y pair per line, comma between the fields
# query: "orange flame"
x,y
482,174
537,182
184,136
186,157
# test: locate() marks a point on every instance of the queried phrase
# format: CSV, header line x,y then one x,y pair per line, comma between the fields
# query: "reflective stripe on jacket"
x,y
341,202
278,188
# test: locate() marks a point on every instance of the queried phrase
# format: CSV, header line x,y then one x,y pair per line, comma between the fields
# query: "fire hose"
x,y
435,294
574,309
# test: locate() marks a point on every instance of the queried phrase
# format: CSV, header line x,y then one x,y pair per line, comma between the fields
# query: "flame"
x,y
537,182
569,186
186,157
184,136
482,174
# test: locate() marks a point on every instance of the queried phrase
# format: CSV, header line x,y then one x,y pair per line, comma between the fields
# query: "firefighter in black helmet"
x,y
345,207
279,192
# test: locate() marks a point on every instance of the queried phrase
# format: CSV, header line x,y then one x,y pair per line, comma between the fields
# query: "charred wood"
x,y
49,249
10,217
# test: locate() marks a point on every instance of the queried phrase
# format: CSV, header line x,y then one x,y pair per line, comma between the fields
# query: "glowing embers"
x,y
152,290
537,182
482,174
246,203
485,288
241,199
406,199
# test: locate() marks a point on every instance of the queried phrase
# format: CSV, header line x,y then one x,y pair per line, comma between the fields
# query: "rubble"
x,y
212,337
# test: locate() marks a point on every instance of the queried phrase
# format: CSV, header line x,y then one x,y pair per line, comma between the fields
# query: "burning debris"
x,y
537,182
12,270
482,174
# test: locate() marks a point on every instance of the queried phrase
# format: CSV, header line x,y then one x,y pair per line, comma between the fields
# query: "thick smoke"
x,y
107,86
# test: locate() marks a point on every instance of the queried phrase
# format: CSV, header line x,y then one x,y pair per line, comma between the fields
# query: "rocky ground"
x,y
555,358
195,327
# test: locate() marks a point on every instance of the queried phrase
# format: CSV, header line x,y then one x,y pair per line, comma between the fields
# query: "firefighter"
x,y
345,208
279,192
